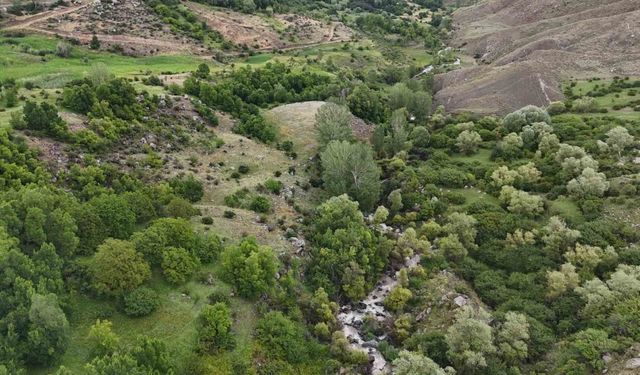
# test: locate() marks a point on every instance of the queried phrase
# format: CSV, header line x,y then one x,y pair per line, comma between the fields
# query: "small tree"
x,y
214,328
103,340
249,267
410,363
178,265
95,42
470,339
589,184
468,141
619,139
63,49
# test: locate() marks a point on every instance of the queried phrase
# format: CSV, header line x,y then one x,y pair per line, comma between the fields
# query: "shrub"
x,y
63,49
178,265
274,186
207,220
260,204
179,207
228,214
243,169
140,302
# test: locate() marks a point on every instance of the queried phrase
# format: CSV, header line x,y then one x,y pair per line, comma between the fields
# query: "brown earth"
x,y
129,24
283,31
524,49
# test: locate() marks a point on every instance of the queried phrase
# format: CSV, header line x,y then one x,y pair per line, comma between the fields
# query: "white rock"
x,y
632,364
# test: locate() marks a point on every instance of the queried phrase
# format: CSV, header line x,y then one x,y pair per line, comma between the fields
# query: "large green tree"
x,y
249,267
117,268
350,168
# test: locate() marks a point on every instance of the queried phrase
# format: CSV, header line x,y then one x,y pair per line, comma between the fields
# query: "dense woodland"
x,y
528,264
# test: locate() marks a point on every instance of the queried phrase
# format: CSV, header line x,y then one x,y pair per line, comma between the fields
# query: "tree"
x,y
590,345
214,328
452,248
117,268
619,139
468,142
512,337
514,122
470,339
152,354
503,176
202,72
117,217
11,97
395,200
411,363
399,96
397,138
140,302
528,173
95,42
180,208
419,105
510,146
282,338
250,268
178,265
588,257
103,340
367,104
464,227
346,255
48,333
350,168
398,298
557,236
589,184
187,187
521,202
333,123
558,282
380,215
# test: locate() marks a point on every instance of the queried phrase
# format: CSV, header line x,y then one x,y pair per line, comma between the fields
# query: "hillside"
x,y
524,49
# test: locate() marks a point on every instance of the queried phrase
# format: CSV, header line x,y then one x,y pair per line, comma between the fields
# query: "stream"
x,y
352,318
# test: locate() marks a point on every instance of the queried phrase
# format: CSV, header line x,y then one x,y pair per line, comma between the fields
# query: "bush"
x,y
140,302
179,207
187,187
63,49
260,204
207,220
178,265
228,214
274,186
243,169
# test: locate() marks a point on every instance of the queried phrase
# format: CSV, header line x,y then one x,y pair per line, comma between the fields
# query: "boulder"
x,y
632,364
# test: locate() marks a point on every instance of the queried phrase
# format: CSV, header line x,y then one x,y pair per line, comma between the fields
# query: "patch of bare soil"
x,y
283,31
128,25
524,49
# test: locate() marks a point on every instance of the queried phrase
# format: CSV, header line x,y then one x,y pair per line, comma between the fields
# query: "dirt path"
x,y
25,22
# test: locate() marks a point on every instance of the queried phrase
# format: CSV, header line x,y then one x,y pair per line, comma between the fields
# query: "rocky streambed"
x,y
352,317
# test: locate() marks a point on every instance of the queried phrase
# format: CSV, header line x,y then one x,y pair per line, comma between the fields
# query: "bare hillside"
x,y
523,50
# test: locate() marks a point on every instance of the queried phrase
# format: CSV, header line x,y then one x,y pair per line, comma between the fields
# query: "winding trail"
x,y
26,22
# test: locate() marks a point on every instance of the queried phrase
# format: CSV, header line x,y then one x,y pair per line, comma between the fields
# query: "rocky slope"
x,y
522,50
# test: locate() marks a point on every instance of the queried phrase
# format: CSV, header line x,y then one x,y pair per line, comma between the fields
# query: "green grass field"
x,y
53,71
